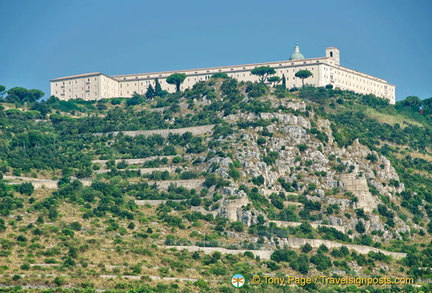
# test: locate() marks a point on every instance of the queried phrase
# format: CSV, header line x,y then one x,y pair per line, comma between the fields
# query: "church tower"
x,y
333,53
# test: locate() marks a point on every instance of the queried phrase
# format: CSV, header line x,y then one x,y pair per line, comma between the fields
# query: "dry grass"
x,y
390,119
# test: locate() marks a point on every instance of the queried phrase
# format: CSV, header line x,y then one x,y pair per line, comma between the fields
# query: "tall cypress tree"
x,y
150,92
283,81
158,88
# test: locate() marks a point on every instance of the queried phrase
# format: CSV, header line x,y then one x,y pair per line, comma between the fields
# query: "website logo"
x,y
238,280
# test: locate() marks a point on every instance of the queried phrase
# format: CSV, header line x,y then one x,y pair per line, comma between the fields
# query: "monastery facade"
x,y
326,70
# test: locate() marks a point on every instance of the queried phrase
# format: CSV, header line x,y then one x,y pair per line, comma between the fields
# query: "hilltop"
x,y
180,192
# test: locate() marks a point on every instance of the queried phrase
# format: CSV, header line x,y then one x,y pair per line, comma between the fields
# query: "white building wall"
x,y
92,86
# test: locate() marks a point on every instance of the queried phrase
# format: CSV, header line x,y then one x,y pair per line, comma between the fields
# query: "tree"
x,y
150,94
263,72
360,227
411,101
303,74
306,248
237,226
2,225
42,107
158,88
176,79
22,95
2,90
135,100
274,79
283,81
26,188
220,75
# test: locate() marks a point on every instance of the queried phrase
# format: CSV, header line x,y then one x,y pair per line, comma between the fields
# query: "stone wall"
x,y
195,183
292,243
263,254
315,226
41,183
132,161
153,202
141,170
315,243
196,130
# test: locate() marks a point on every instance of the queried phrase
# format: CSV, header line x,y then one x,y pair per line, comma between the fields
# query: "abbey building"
x,y
326,70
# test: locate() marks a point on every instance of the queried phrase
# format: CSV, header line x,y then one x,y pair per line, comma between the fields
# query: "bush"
x,y
321,261
255,90
21,238
25,266
302,147
75,226
249,254
283,255
237,226
261,141
360,228
259,180
306,248
220,75
26,188
2,225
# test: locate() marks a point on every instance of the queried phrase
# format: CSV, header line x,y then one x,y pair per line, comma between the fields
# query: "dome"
x,y
296,55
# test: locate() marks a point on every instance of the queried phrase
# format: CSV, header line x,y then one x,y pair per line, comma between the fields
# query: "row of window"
x,y
219,70
76,81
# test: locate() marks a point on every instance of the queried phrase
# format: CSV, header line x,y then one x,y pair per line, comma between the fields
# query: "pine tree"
x,y
150,94
283,81
158,88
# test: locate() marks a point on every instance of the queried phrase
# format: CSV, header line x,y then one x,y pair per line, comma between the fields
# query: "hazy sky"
x,y
41,40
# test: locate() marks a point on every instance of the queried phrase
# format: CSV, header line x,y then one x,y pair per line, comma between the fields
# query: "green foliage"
x,y
270,159
214,180
158,89
360,228
371,157
263,72
259,180
302,147
261,141
235,174
150,93
220,75
283,255
303,74
321,261
176,79
21,95
256,90
26,188
76,226
222,130
237,226
2,225
306,248
135,100
274,79
283,81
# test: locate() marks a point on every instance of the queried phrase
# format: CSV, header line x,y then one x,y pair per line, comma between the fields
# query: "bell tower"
x,y
333,53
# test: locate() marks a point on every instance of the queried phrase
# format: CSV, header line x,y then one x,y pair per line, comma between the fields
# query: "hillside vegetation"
x,y
267,182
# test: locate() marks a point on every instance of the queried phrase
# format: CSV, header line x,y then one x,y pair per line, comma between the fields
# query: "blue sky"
x,y
41,40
